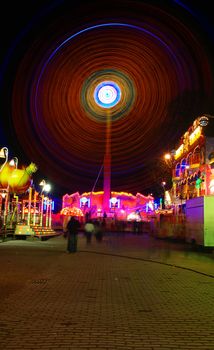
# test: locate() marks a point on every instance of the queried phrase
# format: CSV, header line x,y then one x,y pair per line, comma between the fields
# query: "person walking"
x,y
89,230
72,232
98,231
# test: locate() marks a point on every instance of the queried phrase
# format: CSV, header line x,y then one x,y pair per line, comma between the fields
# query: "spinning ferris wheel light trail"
x,y
107,94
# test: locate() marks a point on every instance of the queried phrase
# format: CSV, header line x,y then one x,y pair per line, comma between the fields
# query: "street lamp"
x,y
204,119
45,188
163,183
167,156
14,162
4,204
3,155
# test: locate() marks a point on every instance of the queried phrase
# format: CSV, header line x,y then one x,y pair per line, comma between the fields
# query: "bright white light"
x,y
113,200
47,188
133,217
167,156
42,183
84,200
211,186
12,162
107,94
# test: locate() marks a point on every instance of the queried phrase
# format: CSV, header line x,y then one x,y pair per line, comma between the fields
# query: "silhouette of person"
x,y
72,229
89,230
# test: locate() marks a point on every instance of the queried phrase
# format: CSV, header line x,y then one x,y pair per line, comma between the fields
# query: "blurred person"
x,y
89,230
98,231
72,232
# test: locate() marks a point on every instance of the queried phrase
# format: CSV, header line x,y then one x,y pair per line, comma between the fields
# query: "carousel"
x,y
21,206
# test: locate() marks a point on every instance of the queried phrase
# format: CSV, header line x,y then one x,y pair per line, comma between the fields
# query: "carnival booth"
x,y
123,207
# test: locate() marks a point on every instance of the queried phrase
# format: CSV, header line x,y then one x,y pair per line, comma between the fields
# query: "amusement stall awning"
x,y
74,211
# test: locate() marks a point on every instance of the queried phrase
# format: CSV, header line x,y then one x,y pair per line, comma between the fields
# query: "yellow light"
x,y
179,151
167,156
195,135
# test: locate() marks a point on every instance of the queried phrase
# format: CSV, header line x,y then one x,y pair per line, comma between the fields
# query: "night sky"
x,y
53,55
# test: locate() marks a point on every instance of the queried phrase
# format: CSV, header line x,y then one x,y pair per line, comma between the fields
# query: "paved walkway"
x,y
128,292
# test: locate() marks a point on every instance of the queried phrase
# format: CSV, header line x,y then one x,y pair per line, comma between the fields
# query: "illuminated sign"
x,y
85,202
195,135
149,206
45,204
114,202
179,151
192,138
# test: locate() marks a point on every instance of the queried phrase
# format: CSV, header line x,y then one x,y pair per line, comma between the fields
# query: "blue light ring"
x,y
105,84
97,112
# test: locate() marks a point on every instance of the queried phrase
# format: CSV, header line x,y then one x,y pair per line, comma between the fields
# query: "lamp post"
x,y
47,211
34,207
3,155
204,119
167,157
4,192
50,213
187,185
4,198
163,183
45,188
29,206
169,162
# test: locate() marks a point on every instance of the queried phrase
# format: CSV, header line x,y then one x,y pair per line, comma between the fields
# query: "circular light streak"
x,y
153,58
119,102
88,30
107,94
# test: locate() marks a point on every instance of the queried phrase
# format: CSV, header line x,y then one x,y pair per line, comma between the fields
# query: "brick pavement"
x,y
94,300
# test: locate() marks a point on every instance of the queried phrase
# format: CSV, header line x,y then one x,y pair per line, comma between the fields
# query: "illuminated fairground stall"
x,y
193,162
122,205
192,193
23,210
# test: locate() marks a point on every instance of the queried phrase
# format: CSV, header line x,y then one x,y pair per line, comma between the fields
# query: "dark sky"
x,y
54,53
